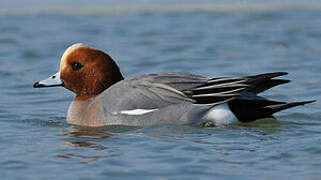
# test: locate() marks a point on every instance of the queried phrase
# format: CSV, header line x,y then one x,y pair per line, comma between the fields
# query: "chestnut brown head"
x,y
85,71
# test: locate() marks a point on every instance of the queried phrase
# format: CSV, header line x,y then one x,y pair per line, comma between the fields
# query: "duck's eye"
x,y
76,66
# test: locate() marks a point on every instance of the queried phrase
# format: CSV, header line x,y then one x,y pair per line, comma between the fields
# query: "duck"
x,y
104,97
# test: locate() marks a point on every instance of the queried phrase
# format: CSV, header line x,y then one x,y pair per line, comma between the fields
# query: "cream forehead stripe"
x,y
70,49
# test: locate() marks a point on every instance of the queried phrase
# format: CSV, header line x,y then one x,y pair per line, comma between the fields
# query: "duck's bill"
x,y
52,81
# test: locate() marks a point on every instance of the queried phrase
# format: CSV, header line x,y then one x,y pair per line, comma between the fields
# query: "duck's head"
x,y
85,71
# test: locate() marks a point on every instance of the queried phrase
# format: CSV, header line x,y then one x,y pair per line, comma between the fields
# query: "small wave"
x,y
14,164
299,116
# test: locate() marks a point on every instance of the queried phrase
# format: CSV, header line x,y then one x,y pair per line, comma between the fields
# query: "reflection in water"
x,y
96,139
267,125
84,144
87,137
86,159
77,132
100,132
84,137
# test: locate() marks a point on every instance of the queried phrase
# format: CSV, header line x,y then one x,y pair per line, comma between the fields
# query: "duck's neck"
x,y
85,112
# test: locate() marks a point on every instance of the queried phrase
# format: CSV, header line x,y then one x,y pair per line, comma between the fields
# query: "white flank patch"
x,y
136,112
220,115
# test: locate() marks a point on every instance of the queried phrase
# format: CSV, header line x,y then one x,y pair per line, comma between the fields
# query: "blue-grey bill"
x,y
52,81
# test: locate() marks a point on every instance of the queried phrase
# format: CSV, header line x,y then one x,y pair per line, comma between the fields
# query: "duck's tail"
x,y
250,110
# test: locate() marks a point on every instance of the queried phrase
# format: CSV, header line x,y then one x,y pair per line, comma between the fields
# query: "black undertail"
x,y
251,110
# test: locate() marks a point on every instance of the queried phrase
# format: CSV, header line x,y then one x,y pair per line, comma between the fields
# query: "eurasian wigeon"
x,y
104,97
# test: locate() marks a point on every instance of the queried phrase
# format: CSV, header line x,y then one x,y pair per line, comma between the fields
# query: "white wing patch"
x,y
136,112
220,115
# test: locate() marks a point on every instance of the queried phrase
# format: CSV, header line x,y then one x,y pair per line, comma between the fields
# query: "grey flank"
x,y
161,92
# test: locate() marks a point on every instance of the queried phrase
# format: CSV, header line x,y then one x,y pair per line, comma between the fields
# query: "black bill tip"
x,y
37,85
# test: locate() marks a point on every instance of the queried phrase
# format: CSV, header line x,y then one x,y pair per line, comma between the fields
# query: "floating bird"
x,y
104,97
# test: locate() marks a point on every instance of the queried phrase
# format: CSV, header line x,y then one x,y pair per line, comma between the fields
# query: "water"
x,y
37,143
